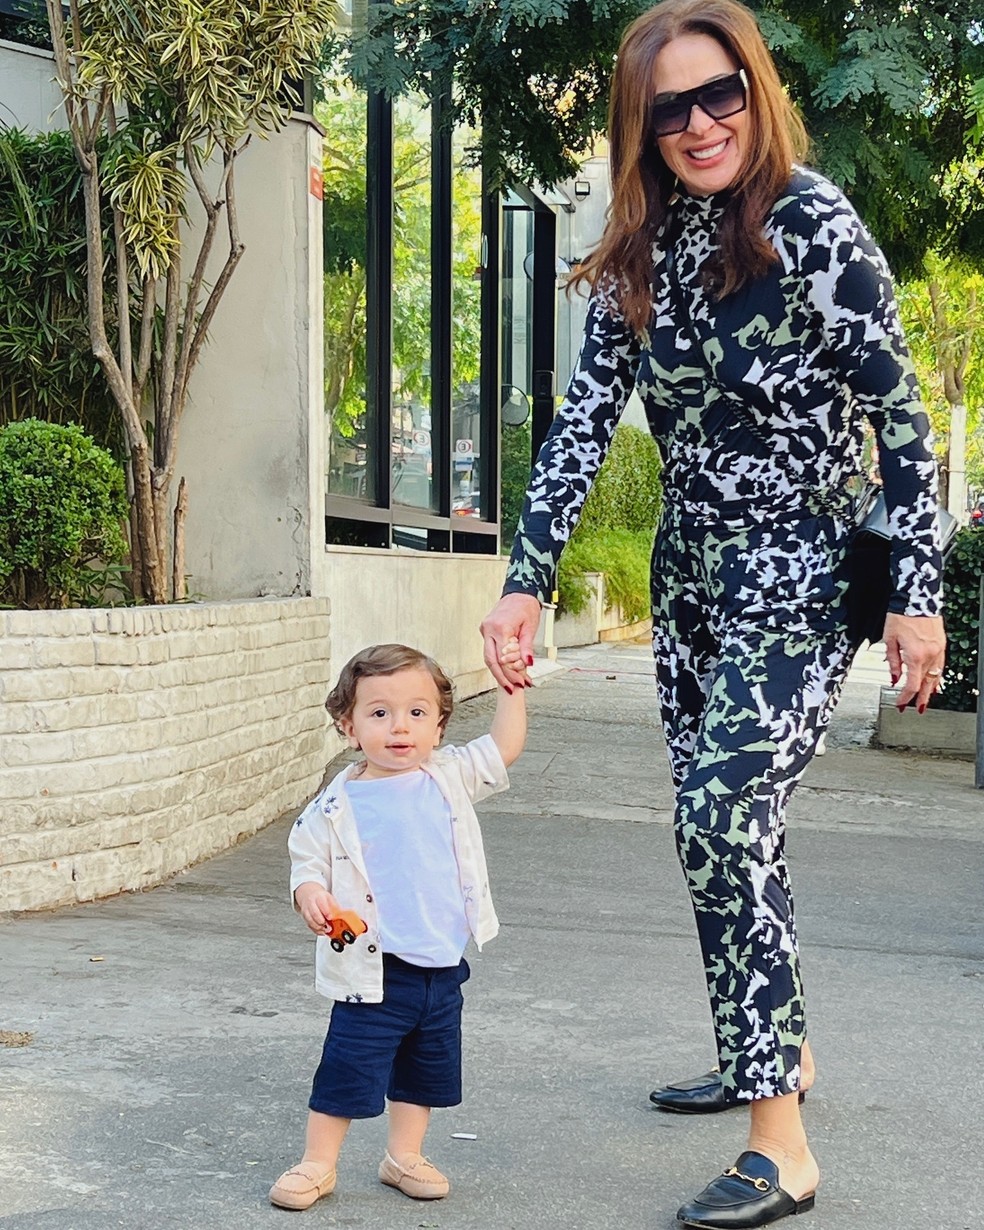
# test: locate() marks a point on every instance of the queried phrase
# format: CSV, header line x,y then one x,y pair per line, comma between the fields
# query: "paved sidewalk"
x,y
174,1032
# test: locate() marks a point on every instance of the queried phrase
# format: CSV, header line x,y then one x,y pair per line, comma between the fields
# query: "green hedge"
x,y
962,581
614,535
62,504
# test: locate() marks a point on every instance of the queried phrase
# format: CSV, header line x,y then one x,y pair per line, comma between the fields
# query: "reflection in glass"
x,y
517,364
412,470
342,113
466,326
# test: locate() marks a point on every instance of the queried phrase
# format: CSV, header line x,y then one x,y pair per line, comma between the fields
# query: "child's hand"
x,y
511,656
316,906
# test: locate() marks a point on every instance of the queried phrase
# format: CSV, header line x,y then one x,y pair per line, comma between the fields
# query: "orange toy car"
x,y
343,928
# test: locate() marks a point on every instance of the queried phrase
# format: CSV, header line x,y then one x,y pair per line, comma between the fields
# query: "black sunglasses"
x,y
718,99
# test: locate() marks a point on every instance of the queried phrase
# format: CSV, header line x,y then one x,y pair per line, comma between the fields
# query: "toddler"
x,y
394,839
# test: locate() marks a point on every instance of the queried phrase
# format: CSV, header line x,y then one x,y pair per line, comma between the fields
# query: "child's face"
x,y
396,720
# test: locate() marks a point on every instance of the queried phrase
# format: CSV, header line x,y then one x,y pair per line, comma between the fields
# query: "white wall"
x,y
29,97
431,601
252,440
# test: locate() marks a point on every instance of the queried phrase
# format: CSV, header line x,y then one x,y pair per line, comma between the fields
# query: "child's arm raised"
x,y
509,724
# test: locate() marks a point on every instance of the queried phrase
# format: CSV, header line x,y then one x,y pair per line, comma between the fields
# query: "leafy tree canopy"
x,y
892,93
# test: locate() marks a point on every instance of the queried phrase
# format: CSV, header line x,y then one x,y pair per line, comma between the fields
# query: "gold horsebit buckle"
x,y
760,1185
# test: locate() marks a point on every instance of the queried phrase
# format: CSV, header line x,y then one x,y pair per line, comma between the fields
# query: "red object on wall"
x,y
316,183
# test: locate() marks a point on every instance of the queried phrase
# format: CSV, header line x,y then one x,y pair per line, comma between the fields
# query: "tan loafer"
x,y
302,1185
419,1178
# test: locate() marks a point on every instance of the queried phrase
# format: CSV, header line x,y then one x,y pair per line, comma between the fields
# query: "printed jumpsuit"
x,y
747,569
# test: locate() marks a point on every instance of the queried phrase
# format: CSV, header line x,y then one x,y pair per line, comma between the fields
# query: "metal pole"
x,y
979,772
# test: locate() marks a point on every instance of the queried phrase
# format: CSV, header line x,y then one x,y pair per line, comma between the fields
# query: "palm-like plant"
x,y
161,97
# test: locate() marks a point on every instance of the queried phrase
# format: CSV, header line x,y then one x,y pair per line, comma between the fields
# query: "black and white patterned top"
x,y
811,349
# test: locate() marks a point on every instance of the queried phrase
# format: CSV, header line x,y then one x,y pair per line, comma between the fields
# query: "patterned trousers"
x,y
751,655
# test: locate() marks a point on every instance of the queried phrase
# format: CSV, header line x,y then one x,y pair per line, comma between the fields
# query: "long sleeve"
x,y
575,447
851,288
308,846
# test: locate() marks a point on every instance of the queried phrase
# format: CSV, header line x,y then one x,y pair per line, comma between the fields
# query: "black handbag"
x,y
869,572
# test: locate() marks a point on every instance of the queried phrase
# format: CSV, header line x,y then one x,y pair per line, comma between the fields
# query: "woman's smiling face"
x,y
708,155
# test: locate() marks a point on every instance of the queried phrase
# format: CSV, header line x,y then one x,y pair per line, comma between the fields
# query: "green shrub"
x,y
627,494
615,532
62,504
962,581
622,555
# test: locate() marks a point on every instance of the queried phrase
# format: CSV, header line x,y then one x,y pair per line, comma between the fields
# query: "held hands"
x,y
917,645
316,906
514,617
513,661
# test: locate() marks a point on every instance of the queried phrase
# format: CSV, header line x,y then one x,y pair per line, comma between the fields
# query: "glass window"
x,y
410,435
466,327
517,299
342,113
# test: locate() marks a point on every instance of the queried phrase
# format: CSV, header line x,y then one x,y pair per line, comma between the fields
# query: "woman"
x,y
742,297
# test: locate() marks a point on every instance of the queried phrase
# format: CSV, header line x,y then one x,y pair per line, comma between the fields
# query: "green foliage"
x,y
516,463
891,93
62,504
886,91
962,581
47,369
532,74
161,97
194,77
614,534
623,557
943,316
626,494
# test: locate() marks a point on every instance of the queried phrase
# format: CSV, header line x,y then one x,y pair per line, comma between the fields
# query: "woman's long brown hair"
x,y
642,185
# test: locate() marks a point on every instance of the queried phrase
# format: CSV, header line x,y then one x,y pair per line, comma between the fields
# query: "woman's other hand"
x,y
513,616
915,645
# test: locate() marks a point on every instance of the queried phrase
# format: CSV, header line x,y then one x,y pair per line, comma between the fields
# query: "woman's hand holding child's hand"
x,y
512,658
316,906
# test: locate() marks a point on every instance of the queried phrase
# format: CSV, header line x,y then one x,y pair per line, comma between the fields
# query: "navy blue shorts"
x,y
407,1049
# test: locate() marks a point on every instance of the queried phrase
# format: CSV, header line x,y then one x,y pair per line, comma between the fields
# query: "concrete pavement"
x,y
173,1032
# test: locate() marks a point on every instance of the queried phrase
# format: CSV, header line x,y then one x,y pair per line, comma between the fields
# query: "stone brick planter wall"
x,y
137,741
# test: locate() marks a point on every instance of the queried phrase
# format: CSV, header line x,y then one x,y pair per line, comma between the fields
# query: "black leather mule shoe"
x,y
701,1095
747,1195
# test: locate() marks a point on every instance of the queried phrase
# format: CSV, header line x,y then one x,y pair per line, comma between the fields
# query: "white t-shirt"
x,y
404,825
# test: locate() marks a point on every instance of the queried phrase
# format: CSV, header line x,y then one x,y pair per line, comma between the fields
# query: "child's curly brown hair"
x,y
385,660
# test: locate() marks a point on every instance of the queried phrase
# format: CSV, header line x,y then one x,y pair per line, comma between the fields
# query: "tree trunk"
x,y
148,543
179,590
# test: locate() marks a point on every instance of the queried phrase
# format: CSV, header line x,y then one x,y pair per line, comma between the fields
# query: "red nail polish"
x,y
529,659
895,679
922,708
901,708
508,691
